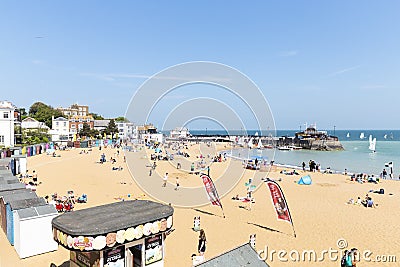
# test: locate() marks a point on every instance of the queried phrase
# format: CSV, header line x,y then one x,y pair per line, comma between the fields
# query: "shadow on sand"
x,y
207,213
267,228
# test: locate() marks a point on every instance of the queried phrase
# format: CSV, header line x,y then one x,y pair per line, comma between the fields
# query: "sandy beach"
x,y
319,211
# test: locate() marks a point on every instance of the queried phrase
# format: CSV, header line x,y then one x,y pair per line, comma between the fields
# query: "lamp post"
x,y
334,130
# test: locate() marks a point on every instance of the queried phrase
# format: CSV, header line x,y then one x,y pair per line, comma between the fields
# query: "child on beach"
x,y
165,179
177,183
202,243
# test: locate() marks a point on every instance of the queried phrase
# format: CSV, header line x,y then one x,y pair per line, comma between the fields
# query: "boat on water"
x,y
385,136
250,143
348,135
259,145
293,147
372,144
362,136
284,148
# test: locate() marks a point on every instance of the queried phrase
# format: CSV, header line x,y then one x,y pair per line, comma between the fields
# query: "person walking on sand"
x,y
192,168
165,179
202,243
177,183
304,166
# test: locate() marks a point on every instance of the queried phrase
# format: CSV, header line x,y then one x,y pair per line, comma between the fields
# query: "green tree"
x,y
111,128
85,131
44,113
121,119
96,116
34,137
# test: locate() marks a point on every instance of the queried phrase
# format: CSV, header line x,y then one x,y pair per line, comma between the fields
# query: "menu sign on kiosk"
x,y
154,249
114,257
85,259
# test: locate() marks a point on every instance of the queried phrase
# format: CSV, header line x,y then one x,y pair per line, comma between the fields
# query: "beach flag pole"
x,y
276,194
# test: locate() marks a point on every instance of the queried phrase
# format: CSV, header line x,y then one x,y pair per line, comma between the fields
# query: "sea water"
x,y
356,157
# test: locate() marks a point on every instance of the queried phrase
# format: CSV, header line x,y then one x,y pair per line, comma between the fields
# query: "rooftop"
x,y
7,104
241,256
111,217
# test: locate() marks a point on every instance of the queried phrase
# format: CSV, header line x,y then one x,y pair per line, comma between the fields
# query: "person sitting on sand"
x,y
370,203
359,201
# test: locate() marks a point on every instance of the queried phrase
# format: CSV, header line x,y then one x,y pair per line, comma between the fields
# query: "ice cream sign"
x,y
109,240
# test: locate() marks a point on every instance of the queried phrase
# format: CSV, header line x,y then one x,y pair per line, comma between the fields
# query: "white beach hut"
x,y
33,231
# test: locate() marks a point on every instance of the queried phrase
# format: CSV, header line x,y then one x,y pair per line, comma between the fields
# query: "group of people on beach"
x,y
350,258
30,180
367,202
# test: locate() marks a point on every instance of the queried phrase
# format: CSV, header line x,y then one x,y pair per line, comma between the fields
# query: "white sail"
x,y
372,143
259,145
250,143
362,136
348,135
241,141
385,136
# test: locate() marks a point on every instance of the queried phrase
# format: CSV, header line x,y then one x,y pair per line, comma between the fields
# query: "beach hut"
x,y
6,197
84,144
18,164
32,230
305,180
127,233
14,205
243,255
8,178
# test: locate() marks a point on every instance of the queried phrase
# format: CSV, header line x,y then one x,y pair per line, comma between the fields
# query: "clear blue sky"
x,y
330,62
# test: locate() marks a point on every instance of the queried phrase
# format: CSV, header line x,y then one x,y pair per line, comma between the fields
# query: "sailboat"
x,y
241,141
259,145
348,135
250,143
372,144
385,136
362,136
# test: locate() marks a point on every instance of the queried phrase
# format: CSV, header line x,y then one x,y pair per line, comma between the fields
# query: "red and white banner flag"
x,y
211,190
279,201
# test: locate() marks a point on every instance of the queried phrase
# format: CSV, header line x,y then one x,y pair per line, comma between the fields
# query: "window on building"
x,y
1,139
80,126
65,124
73,126
80,119
57,123
5,115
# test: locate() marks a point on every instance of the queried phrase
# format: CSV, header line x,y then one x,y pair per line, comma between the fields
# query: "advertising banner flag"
x,y
211,190
279,202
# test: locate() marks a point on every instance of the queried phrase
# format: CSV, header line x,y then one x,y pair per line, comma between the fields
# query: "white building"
x,y
126,130
59,129
32,124
7,120
100,125
179,132
75,110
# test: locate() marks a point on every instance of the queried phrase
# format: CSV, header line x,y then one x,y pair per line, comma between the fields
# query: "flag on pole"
x,y
211,190
279,202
